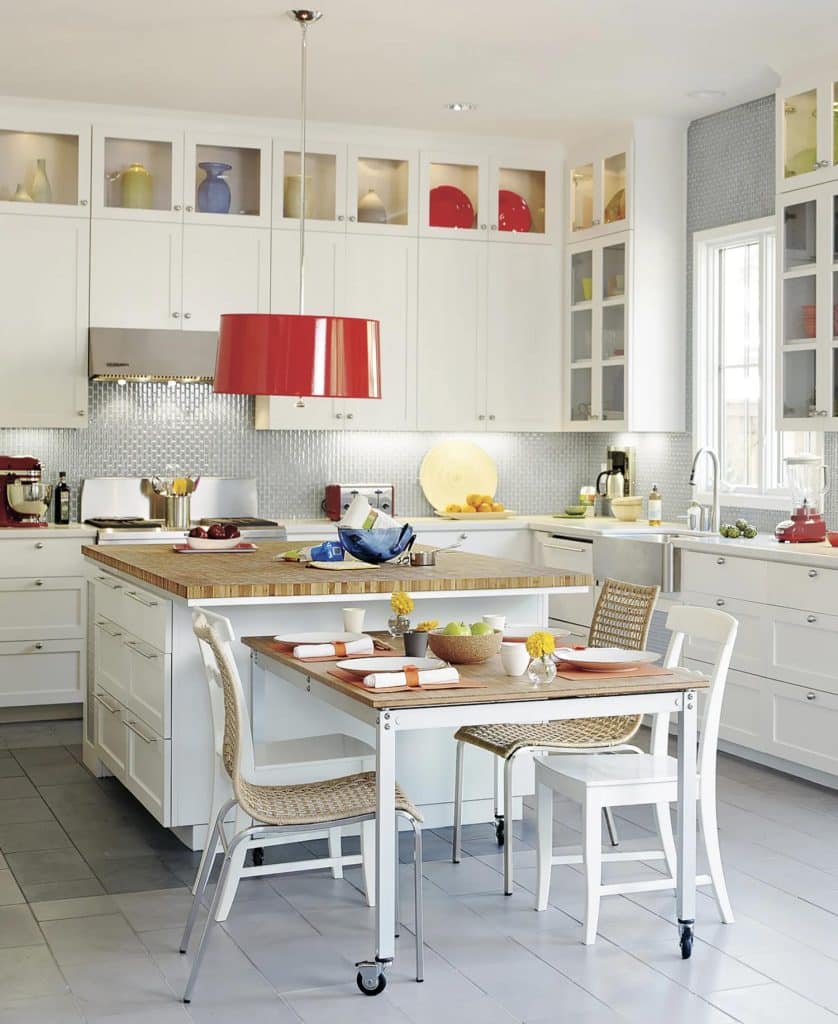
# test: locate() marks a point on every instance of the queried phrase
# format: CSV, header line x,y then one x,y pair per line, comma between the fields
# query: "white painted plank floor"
x,y
93,895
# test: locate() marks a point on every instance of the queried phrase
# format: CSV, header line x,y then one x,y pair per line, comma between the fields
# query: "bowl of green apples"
x,y
462,644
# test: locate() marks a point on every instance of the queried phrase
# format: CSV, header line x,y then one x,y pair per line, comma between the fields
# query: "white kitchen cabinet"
x,y
225,270
111,734
510,544
44,274
38,672
123,152
372,276
64,147
35,608
248,178
148,768
571,555
807,130
803,723
600,189
325,185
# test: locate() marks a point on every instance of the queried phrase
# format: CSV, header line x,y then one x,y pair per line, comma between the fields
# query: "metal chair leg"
x,y
458,803
507,810
203,877
419,910
611,825
397,928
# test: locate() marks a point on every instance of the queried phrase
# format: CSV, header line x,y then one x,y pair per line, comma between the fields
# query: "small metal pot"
x,y
421,559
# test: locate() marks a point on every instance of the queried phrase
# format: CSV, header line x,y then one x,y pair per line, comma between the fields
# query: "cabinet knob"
x,y
175,316
338,415
491,416
177,207
341,217
720,561
483,227
595,222
720,603
39,646
350,415
39,545
811,618
39,583
81,412
187,316
353,219
463,536
82,202
481,417
188,209
494,227
820,163
811,696
812,573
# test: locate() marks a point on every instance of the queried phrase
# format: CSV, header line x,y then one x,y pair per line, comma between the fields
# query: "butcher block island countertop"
x,y
199,577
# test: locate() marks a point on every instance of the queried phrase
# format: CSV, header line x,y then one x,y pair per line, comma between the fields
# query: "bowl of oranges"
x,y
476,506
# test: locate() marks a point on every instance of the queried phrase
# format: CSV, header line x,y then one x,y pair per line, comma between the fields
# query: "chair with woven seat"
x,y
277,809
299,760
622,618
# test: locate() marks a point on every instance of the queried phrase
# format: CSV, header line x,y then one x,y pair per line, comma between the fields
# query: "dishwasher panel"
x,y
569,554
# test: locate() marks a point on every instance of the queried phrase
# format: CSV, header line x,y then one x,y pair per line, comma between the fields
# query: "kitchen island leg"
x,y
687,780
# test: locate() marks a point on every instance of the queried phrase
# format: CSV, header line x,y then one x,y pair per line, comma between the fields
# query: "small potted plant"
x,y
402,605
540,647
416,640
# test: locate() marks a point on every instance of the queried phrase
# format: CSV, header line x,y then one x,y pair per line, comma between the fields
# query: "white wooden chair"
x,y
620,780
290,761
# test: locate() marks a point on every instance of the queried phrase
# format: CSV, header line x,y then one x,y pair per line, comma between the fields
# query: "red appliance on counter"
x,y
24,498
807,479
340,496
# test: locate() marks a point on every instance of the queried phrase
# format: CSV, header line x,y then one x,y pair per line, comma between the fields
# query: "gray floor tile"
x,y
83,906
76,888
19,928
68,796
24,809
15,788
44,1010
326,1005
36,835
87,939
135,874
9,768
9,890
153,911
31,756
120,986
29,971
61,773
40,734
48,866
770,1004
158,1013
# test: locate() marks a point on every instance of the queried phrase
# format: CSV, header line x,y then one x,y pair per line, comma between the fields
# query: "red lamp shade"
x,y
307,356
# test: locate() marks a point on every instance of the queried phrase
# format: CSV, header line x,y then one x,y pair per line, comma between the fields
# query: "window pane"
x,y
741,426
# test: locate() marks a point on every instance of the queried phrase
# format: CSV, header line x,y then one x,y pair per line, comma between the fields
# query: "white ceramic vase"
x,y
40,190
21,195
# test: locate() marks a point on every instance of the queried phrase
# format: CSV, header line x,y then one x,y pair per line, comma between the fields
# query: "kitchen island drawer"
x,y
801,586
804,725
44,608
724,576
149,684
41,556
148,767
110,658
147,616
803,648
111,734
37,672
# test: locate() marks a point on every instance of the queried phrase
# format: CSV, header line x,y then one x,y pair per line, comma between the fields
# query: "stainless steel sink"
x,y
648,559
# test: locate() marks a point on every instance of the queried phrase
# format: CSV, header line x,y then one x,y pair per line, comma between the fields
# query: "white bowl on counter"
x,y
208,544
627,510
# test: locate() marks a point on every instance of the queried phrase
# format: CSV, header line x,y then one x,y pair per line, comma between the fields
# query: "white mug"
x,y
514,658
495,621
353,619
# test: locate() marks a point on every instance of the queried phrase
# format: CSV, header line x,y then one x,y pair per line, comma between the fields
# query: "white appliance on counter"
x,y
570,554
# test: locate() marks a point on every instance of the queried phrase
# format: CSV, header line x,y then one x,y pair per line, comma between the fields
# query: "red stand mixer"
x,y
807,478
24,498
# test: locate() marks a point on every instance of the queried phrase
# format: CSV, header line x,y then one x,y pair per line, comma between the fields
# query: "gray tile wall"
x,y
143,428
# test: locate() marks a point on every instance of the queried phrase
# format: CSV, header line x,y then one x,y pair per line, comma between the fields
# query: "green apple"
x,y
481,629
456,629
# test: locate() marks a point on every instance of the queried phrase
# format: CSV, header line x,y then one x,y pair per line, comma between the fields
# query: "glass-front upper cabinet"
x,y
522,206
453,196
137,173
44,167
382,190
807,321
227,179
325,185
599,192
595,386
807,133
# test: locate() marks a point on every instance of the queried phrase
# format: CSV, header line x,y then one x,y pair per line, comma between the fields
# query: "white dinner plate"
x,y
363,666
516,632
606,659
318,638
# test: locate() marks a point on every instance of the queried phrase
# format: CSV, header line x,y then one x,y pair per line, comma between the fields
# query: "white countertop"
x,y
581,527
765,547
50,532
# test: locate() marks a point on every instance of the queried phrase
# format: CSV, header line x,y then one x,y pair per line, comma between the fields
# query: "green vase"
x,y
136,188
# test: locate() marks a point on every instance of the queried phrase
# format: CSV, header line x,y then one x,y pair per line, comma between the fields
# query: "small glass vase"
x,y
398,625
541,671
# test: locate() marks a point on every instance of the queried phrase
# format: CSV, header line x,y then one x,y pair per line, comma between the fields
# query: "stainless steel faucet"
x,y
714,458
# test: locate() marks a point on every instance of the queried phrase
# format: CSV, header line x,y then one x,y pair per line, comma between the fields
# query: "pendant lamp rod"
x,y
304,18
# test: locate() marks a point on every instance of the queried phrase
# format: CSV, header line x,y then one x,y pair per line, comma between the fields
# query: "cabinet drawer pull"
x,y
720,561
811,696
136,597
720,602
132,725
108,707
39,646
812,573
39,545
39,583
108,628
111,584
135,647
811,618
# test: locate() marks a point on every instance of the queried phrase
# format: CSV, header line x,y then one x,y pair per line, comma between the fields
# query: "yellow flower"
x,y
401,603
540,644
427,625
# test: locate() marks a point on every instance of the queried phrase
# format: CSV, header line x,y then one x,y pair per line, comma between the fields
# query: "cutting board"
x,y
453,469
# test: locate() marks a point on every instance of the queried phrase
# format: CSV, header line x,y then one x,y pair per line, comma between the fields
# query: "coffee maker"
x,y
24,498
618,477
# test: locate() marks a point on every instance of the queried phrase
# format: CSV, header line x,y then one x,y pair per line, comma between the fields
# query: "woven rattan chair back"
x,y
623,615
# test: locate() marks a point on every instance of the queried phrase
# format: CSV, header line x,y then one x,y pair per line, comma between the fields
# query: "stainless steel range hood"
x,y
116,353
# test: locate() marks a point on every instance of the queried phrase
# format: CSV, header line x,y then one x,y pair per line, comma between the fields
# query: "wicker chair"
x,y
621,618
279,809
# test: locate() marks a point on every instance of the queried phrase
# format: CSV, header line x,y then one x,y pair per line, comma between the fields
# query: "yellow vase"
x,y
136,188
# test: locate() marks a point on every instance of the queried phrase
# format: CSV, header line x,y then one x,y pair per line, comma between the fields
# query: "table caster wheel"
x,y
500,832
686,941
258,857
370,983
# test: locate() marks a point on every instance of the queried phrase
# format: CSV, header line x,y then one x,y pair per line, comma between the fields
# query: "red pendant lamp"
x,y
299,354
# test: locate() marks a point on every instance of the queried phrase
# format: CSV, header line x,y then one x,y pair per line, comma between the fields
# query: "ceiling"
x,y
561,68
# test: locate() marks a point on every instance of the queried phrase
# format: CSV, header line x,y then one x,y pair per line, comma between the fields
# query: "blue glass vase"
x,y
214,192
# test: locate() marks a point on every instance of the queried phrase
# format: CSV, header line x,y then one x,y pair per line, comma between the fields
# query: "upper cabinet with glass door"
x,y
137,173
227,179
44,166
599,192
807,133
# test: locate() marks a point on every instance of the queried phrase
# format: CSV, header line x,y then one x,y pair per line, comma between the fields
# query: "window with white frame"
x,y
734,399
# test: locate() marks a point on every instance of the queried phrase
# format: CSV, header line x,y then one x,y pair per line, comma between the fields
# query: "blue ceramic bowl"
x,y
375,546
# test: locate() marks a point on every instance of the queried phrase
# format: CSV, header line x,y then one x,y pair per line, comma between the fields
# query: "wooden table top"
x,y
498,687
199,576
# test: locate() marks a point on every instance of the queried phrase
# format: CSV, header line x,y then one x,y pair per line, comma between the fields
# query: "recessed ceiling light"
x,y
706,94
461,107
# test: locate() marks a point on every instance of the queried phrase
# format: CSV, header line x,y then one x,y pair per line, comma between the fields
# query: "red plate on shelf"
x,y
513,212
450,208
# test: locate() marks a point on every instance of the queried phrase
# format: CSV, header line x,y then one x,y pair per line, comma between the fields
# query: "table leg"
x,y
687,724
371,978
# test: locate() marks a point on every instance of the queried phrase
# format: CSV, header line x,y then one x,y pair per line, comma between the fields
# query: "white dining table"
x,y
500,699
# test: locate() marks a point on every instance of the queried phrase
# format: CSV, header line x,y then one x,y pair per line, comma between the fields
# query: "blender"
x,y
807,479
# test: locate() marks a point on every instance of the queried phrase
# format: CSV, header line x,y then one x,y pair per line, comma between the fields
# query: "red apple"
x,y
216,532
231,531
198,531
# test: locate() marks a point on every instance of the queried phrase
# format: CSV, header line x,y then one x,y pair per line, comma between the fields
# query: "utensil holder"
x,y
177,511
